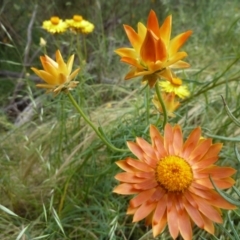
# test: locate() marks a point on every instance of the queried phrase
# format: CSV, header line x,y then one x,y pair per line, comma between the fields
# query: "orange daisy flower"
x,y
153,54
171,181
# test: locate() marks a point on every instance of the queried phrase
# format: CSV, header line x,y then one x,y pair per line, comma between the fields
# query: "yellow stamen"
x,y
77,18
55,20
174,174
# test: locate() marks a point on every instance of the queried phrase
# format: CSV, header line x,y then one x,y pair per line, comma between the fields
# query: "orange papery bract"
x,y
154,54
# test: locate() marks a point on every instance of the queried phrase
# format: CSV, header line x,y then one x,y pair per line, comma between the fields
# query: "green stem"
x,y
165,116
147,103
92,125
85,48
201,91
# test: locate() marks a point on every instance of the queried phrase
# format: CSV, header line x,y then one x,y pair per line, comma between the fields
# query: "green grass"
x,y
57,177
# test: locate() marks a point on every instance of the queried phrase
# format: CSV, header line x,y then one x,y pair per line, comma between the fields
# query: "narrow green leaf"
x,y
40,237
223,138
237,153
224,195
21,233
8,211
232,227
229,113
56,218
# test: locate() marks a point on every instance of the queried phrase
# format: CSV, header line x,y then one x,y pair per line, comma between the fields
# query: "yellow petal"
x,y
165,30
126,52
61,64
74,74
133,37
178,41
70,64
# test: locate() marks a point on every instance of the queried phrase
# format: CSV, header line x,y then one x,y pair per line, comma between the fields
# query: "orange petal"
x,y
129,178
165,30
200,150
191,142
213,197
159,193
208,225
151,160
141,197
142,166
149,183
223,183
172,217
184,225
144,210
145,174
133,37
161,50
136,150
177,139
160,210
155,134
132,61
148,50
168,138
208,210
178,41
125,189
152,23
125,166
193,213
131,210
160,225
210,157
218,172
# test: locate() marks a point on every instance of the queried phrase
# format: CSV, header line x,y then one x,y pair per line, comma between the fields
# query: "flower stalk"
x,y
88,121
165,116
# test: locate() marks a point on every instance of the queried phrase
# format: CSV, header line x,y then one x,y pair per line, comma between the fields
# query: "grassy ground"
x,y
57,177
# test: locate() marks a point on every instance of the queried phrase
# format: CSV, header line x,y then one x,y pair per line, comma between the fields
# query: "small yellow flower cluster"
x,y
77,24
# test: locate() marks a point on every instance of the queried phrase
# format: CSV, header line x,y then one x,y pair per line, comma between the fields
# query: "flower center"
x,y
77,18
177,81
55,20
174,174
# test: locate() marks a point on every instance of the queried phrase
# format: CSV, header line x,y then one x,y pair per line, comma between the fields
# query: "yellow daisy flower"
x,y
55,25
170,181
57,75
177,88
79,25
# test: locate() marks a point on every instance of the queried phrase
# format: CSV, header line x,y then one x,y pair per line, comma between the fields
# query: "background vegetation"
x,y
56,176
